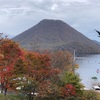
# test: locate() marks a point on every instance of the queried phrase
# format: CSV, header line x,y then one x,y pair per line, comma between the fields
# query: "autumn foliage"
x,y
31,72
68,90
10,52
19,68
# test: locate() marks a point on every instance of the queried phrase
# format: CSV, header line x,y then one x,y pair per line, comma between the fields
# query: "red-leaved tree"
x,y
10,52
68,90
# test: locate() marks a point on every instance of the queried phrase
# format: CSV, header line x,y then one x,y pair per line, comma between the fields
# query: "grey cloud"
x,y
2,12
81,14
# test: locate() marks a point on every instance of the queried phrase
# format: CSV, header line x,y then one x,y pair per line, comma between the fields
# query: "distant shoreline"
x,y
86,54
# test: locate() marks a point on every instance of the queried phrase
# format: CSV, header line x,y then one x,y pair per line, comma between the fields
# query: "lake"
x,y
89,66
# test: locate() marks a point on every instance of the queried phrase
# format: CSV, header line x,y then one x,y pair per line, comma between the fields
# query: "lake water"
x,y
89,66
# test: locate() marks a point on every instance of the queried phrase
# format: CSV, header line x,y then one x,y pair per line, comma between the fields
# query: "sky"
x,y
16,16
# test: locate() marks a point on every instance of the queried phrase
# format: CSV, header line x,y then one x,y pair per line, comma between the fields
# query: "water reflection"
x,y
89,66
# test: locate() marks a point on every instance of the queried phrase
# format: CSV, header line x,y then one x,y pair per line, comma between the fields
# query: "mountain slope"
x,y
55,35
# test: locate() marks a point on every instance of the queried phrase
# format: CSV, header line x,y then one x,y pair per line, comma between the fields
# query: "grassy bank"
x,y
12,97
88,95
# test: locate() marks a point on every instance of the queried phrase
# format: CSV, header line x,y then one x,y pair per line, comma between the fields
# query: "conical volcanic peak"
x,y
47,22
55,35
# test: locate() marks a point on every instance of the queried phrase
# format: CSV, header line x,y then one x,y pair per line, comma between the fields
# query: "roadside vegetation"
x,y
28,75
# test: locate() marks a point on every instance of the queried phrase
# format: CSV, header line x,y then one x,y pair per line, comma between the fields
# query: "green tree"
x,y
74,80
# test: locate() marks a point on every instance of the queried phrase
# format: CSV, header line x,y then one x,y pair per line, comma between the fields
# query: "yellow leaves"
x,y
76,66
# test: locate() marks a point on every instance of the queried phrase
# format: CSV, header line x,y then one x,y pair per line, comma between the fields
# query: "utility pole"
x,y
73,62
1,35
1,43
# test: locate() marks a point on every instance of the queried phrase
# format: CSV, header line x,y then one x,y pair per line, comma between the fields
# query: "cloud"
x,y
19,15
24,6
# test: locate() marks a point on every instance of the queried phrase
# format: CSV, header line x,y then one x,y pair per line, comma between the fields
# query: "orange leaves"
x,y
39,66
40,72
10,49
10,53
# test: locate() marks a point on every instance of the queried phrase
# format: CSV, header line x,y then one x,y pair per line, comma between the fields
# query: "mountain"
x,y
97,42
55,35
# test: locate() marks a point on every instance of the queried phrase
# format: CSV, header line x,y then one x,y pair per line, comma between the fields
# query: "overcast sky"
x,y
17,16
